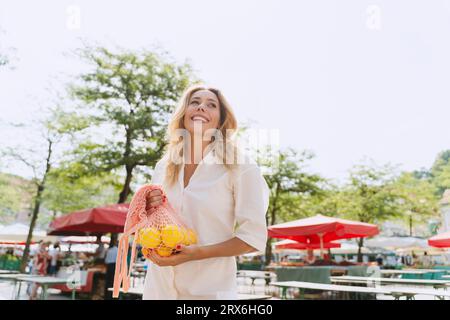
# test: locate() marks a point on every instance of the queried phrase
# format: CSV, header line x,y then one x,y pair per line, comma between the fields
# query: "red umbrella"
x,y
440,241
291,244
100,220
322,229
19,243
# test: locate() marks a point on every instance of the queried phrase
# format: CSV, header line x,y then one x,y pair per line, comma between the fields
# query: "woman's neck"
x,y
197,149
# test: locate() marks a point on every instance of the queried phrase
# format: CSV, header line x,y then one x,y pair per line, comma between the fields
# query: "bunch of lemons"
x,y
164,240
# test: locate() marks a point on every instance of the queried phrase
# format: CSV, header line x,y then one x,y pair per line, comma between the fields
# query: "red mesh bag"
x,y
154,227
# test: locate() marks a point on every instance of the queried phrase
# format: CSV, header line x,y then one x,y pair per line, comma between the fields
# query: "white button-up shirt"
x,y
218,205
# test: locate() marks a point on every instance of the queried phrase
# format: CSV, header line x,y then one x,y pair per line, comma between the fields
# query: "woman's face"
x,y
202,112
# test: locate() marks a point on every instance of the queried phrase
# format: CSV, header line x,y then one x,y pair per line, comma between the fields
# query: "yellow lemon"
x,y
149,237
192,236
171,235
145,251
164,251
186,241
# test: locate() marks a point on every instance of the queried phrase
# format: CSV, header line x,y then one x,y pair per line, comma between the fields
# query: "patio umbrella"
x,y
396,242
291,244
95,221
18,232
440,241
322,229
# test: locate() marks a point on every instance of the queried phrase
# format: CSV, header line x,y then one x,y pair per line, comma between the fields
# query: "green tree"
x,y
67,192
288,181
418,199
39,158
369,196
11,196
440,172
125,102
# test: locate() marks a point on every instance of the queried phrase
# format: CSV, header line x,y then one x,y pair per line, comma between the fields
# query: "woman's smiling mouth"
x,y
199,118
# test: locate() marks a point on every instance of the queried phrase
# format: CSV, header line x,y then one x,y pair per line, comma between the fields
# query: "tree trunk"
x,y
269,240
410,226
360,244
26,252
126,185
37,204
124,195
273,216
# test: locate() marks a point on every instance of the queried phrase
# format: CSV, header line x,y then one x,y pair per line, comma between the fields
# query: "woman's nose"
x,y
201,107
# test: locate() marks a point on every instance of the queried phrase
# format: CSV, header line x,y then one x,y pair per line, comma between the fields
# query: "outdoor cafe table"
x,y
415,282
14,279
301,285
318,274
396,292
391,273
241,296
8,272
253,275
45,282
430,274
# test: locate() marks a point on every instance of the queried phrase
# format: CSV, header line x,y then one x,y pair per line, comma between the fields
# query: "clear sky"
x,y
345,79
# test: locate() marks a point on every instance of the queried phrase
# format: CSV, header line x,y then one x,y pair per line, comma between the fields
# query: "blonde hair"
x,y
223,145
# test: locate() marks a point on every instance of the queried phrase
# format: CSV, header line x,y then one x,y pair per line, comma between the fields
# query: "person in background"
x,y
110,261
40,262
310,258
426,261
100,252
9,253
379,260
55,254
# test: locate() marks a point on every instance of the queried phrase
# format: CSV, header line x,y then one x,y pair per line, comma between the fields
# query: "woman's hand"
x,y
155,198
183,254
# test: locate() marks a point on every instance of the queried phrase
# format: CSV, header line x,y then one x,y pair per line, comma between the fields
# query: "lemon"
x,y
164,251
192,236
171,235
185,237
145,251
149,237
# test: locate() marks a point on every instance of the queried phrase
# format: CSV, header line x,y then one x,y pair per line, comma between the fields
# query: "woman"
x,y
40,262
310,258
213,188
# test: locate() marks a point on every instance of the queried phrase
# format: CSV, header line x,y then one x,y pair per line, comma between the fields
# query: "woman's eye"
x,y
194,102
212,105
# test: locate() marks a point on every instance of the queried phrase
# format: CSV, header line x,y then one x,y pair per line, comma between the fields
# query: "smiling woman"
x,y
212,196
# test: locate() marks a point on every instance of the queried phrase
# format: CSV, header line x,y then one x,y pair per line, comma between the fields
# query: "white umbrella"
x,y
348,248
396,242
83,239
19,232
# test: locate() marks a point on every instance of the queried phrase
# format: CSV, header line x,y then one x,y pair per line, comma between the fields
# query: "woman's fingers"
x,y
155,193
155,199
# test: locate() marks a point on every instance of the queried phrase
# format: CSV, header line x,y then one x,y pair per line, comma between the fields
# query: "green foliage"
x,y
289,183
419,200
67,191
440,172
14,196
369,196
126,100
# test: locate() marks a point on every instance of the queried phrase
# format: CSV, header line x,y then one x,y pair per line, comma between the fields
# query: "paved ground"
x,y
244,286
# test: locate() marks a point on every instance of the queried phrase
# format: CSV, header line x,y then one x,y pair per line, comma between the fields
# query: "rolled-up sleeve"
x,y
251,196
159,172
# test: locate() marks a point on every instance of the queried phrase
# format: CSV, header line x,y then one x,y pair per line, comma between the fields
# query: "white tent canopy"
x,y
396,242
19,232
348,248
83,239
